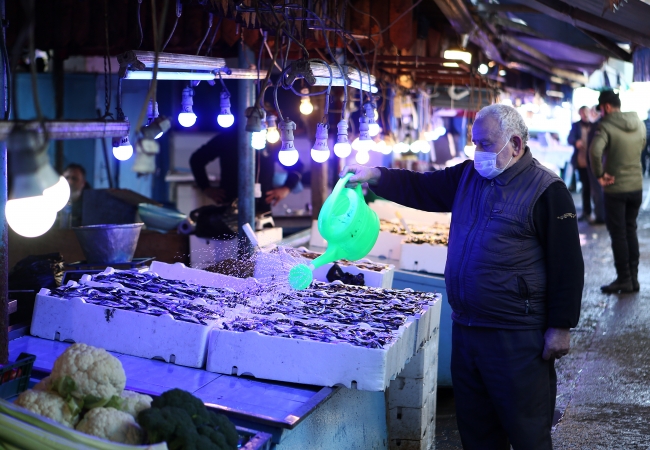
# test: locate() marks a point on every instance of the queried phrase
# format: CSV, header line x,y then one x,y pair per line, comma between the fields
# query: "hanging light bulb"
x,y
258,138
122,148
384,148
306,108
186,117
362,156
320,152
288,155
254,118
401,147
370,111
152,114
342,148
225,118
420,146
364,142
272,133
38,192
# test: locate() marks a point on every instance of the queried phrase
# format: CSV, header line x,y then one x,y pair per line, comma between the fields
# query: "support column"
x,y
246,170
4,238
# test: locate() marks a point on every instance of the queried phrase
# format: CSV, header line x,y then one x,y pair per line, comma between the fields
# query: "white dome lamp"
x,y
370,111
342,148
38,192
225,119
288,154
272,133
320,152
364,142
186,117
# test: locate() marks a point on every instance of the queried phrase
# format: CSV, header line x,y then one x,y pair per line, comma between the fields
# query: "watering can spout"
x,y
331,254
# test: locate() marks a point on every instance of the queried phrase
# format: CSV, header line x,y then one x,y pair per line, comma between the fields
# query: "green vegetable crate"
x,y
14,378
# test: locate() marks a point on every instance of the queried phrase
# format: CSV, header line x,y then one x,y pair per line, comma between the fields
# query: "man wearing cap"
x,y
615,156
514,278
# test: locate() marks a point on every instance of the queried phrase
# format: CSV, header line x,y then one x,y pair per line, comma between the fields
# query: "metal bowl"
x,y
159,219
108,244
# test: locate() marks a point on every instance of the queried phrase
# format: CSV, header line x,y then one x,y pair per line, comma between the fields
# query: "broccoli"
x,y
184,422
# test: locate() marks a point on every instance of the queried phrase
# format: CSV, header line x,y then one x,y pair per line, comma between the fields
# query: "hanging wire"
x,y
210,16
179,11
31,10
107,68
157,33
140,24
214,36
7,72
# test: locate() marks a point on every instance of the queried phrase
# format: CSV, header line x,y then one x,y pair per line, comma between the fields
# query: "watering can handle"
x,y
340,185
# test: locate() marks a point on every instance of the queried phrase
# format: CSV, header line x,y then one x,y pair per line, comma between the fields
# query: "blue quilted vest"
x,y
496,269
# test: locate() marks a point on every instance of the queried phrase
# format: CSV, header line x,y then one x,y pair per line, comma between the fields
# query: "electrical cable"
x,y
259,60
179,11
210,16
158,31
107,68
31,13
7,71
140,24
214,36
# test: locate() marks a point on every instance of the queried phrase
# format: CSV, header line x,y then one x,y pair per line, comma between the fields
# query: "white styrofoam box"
x,y
180,271
412,423
423,361
388,245
412,392
205,252
272,264
308,362
426,443
387,211
315,239
121,331
424,257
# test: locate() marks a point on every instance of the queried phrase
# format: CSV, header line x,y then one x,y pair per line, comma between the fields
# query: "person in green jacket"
x,y
615,156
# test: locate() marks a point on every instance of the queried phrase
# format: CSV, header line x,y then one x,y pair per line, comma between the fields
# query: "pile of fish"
x,y
436,234
361,316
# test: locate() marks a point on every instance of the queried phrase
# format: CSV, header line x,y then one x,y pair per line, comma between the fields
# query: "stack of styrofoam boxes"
x,y
411,399
205,252
303,361
268,265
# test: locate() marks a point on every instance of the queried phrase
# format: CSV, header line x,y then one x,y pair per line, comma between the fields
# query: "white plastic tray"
x,y
424,257
128,332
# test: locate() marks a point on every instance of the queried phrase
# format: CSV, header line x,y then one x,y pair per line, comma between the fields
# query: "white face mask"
x,y
485,163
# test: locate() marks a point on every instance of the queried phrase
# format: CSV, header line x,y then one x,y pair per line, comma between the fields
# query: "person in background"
x,y
578,138
72,213
619,140
224,147
645,154
514,278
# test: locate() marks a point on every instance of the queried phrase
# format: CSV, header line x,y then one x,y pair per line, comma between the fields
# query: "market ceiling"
x,y
548,39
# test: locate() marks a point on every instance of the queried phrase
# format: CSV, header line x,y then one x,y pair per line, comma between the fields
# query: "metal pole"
x,y
4,242
246,170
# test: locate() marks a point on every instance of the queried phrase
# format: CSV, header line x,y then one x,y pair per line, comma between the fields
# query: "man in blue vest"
x,y
514,278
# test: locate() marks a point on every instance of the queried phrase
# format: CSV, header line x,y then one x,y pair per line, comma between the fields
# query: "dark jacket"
x,y
616,149
514,259
574,136
224,147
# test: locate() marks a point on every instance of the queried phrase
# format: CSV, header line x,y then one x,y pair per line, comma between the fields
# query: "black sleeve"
x,y
556,223
428,191
224,147
294,175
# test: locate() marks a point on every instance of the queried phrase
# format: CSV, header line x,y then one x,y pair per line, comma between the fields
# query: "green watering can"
x,y
348,225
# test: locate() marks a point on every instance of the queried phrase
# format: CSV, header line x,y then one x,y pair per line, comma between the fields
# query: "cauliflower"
x,y
44,385
49,405
111,424
133,403
89,374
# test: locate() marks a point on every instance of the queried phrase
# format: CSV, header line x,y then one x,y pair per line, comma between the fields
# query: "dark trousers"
x,y
504,390
597,195
583,172
621,211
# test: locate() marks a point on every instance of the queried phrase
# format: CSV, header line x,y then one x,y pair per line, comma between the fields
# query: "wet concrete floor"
x,y
604,383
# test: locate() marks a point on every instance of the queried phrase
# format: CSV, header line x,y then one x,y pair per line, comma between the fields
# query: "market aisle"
x,y
604,383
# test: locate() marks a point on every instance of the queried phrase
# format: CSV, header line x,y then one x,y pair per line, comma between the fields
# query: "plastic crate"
x,y
14,378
